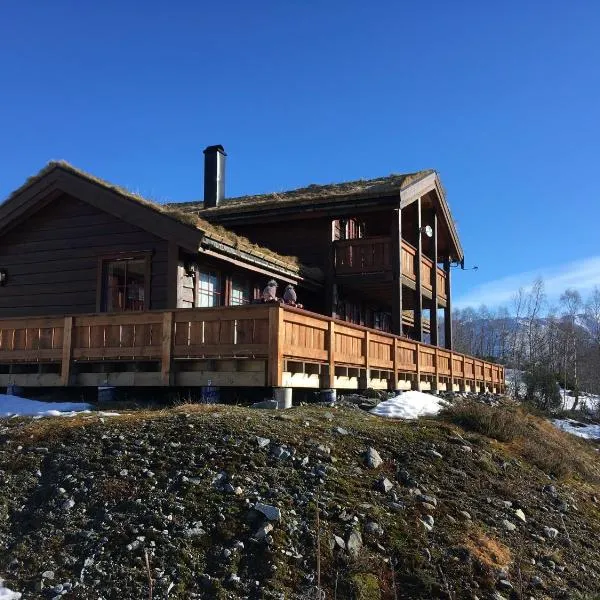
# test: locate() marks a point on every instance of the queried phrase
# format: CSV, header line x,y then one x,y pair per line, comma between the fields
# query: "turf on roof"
x,y
214,232
331,192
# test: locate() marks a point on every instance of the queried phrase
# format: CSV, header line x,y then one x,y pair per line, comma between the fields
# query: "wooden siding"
x,y
308,239
52,259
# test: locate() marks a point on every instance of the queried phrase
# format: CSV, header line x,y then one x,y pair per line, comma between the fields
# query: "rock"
x,y
521,515
373,528
427,507
339,542
68,504
465,514
434,453
271,512
428,499
508,525
193,532
428,522
354,543
550,532
384,485
504,584
328,416
372,458
262,442
48,575
262,533
537,581
466,449
341,431
268,404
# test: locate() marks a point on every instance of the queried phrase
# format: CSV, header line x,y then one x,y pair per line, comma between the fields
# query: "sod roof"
x,y
329,193
174,211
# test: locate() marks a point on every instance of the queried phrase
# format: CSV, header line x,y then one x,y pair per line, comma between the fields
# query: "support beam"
x,y
396,250
330,300
419,277
448,308
433,319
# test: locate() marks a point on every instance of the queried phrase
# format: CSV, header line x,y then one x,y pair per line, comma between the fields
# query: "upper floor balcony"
x,y
374,255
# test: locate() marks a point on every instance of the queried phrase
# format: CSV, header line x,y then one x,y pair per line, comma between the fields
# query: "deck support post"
x,y
330,278
328,376
419,277
67,349
166,361
434,323
396,255
366,379
448,308
275,363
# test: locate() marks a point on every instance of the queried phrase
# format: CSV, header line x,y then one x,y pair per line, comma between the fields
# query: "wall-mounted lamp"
x,y
3,276
427,230
190,268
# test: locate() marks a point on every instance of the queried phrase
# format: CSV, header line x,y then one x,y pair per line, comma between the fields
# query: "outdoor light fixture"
x,y
3,276
427,230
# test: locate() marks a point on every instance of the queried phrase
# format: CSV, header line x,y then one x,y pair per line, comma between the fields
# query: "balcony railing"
x,y
373,255
262,345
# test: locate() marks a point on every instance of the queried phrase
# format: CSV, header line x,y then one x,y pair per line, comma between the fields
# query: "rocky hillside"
x,y
314,502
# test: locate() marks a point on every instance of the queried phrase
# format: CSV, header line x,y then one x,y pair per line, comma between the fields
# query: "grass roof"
x,y
174,211
331,192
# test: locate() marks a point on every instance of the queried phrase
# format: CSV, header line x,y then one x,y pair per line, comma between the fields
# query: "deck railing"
x,y
373,255
274,334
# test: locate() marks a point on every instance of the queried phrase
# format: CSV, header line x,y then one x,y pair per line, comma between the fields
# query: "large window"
x,y
125,284
209,289
240,292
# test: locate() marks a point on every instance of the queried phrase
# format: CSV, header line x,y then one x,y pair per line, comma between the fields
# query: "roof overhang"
x,y
432,183
57,181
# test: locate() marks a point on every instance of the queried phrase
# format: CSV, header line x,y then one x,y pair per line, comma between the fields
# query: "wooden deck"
x,y
257,346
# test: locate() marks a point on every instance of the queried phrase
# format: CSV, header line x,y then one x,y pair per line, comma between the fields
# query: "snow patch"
x,y
6,594
15,406
410,405
589,431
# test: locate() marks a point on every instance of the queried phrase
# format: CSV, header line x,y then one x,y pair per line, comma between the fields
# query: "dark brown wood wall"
x,y
307,239
52,259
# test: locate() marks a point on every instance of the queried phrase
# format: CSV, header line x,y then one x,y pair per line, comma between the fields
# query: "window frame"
x,y
218,294
101,283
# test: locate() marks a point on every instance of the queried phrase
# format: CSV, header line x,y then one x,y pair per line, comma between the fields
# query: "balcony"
x,y
373,255
240,346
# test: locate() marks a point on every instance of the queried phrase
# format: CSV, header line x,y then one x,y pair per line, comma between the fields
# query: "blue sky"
x,y
501,98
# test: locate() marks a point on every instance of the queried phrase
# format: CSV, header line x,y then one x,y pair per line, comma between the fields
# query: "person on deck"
x,y
289,296
270,292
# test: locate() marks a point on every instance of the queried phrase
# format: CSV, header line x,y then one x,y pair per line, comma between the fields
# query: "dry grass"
x,y
503,424
52,428
529,437
490,552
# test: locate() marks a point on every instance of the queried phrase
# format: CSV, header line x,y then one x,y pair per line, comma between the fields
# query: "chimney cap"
x,y
215,148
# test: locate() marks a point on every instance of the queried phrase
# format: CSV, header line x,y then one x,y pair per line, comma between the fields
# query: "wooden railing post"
x,y
166,359
436,366
418,360
451,372
331,355
276,333
364,384
67,349
396,363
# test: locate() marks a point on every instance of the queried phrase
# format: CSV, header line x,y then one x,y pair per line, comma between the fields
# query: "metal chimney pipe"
x,y
214,175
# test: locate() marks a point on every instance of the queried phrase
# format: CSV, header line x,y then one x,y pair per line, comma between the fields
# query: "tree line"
x,y
549,344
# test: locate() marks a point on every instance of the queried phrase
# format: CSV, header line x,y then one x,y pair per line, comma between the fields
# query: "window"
x,y
348,229
124,284
209,289
240,292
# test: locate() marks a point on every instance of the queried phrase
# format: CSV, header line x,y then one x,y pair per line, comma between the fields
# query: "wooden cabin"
x,y
99,286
